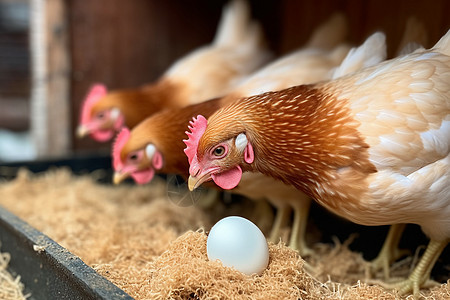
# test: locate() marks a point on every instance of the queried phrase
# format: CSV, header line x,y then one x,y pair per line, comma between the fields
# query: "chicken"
x,y
164,131
255,185
207,72
372,146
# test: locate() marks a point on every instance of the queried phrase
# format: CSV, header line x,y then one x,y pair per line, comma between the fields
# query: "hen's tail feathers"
x,y
414,37
234,23
330,34
338,54
238,30
443,45
372,52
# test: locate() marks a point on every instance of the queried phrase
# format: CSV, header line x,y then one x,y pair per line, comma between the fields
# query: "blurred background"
x,y
52,51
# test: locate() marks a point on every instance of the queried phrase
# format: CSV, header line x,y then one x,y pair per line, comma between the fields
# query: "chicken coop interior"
x,y
140,241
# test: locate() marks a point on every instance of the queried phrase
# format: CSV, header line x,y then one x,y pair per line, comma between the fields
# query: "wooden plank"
x,y
14,65
50,118
14,113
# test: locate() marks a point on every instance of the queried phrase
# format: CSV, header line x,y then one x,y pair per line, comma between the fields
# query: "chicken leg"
x,y
390,251
281,219
297,239
297,236
421,273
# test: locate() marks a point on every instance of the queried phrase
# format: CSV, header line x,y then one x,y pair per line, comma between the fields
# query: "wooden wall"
x,y
50,73
129,43
365,17
14,66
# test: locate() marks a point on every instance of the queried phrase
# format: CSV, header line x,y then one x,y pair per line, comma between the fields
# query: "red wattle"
x,y
228,179
144,176
102,135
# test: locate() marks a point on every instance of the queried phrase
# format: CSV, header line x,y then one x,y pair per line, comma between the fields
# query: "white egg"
x,y
238,243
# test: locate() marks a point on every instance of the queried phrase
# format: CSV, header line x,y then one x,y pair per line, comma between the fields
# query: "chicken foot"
x,y
390,251
420,277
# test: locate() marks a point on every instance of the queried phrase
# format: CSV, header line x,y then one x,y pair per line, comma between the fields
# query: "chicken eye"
x,y
133,157
100,115
219,151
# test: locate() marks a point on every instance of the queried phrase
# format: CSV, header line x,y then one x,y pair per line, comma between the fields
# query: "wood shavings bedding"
x,y
154,249
10,288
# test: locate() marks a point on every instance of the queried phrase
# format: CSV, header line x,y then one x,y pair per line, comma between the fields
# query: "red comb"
x,y
197,128
96,93
120,141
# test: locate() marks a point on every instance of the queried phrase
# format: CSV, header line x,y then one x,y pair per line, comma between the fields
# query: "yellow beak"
x,y
192,183
82,131
119,177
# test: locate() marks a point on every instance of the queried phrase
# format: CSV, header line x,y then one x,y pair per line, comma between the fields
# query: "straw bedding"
x,y
10,287
154,249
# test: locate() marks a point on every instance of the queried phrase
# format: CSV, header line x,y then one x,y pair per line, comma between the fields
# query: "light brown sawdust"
x,y
154,249
10,288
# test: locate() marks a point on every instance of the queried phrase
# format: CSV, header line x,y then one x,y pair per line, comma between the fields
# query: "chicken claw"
x,y
420,277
